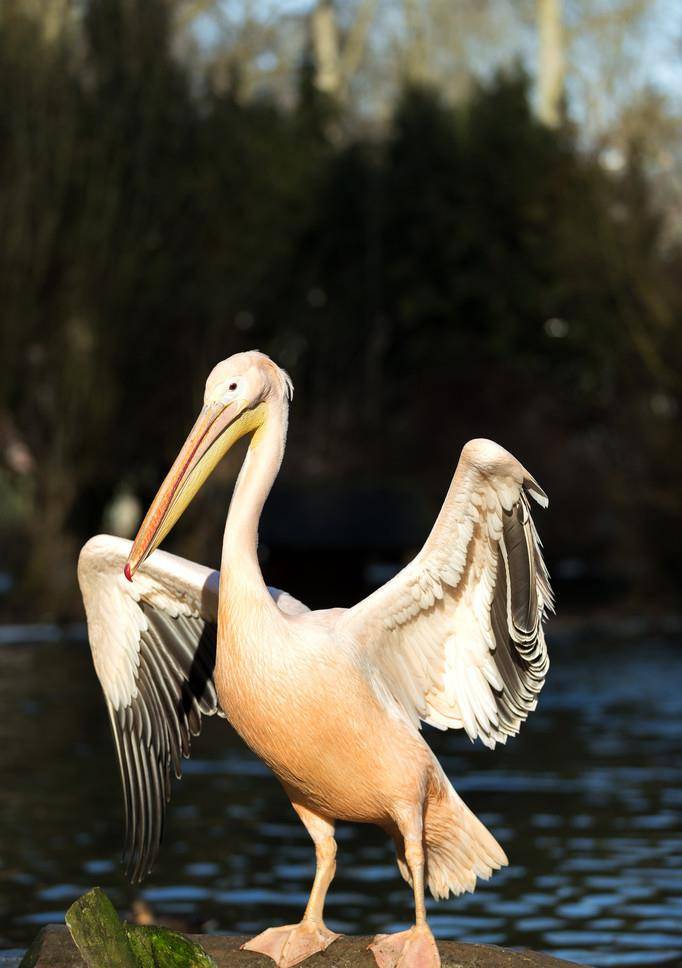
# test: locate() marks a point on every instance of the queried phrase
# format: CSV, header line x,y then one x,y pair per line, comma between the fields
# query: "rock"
x,y
103,942
154,946
53,948
98,933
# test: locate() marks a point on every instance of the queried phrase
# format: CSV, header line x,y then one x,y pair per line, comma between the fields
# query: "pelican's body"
x,y
326,734
330,700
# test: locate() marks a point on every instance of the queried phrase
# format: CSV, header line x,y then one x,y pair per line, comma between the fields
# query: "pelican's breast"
x,y
302,703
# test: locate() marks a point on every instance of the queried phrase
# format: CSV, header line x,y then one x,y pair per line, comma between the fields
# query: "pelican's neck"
x,y
240,567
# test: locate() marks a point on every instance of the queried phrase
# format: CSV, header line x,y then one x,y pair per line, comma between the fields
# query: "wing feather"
x,y
153,645
456,638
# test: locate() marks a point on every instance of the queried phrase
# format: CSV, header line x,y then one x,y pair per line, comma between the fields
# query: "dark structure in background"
x,y
464,272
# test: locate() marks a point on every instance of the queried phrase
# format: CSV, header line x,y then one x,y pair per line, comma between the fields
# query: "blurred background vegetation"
x,y
445,219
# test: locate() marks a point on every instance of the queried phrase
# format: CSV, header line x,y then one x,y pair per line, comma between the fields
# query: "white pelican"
x,y
330,700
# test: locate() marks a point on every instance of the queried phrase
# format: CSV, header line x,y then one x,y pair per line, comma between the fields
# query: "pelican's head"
x,y
238,391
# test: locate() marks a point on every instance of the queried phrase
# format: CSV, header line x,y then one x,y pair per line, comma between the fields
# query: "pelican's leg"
x,y
293,943
415,948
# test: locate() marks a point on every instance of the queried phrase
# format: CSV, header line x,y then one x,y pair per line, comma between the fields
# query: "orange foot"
x,y
415,948
292,943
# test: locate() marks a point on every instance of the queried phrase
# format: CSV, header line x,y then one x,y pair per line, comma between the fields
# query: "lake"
x,y
586,801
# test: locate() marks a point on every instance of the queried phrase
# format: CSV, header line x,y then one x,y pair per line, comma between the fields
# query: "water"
x,y
586,802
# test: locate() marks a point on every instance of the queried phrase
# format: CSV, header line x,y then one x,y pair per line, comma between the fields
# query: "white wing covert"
x,y
456,638
153,643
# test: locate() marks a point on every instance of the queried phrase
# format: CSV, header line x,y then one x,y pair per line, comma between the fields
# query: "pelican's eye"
x,y
232,386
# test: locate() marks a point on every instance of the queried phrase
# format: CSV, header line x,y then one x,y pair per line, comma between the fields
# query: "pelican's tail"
x,y
458,848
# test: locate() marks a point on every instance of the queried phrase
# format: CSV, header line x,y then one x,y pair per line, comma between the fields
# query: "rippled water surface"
x,y
586,802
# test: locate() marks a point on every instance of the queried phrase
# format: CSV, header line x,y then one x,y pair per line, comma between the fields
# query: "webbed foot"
x,y
415,948
292,943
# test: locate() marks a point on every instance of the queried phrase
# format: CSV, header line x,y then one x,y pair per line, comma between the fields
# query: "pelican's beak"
x,y
216,429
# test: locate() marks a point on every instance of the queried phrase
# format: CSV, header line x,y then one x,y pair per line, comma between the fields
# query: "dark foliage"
x,y
465,273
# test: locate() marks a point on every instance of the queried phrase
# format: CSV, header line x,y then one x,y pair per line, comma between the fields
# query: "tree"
x,y
551,62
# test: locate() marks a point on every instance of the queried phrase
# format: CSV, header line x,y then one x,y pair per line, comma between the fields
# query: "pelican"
x,y
331,700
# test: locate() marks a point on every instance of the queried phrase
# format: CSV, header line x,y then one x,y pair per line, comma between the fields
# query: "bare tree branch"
x,y
598,21
356,41
188,12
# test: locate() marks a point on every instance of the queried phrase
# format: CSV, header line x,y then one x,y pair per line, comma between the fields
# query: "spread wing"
x,y
153,643
456,637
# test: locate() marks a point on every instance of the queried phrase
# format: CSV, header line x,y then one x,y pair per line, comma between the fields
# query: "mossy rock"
x,y
54,948
98,933
160,948
103,942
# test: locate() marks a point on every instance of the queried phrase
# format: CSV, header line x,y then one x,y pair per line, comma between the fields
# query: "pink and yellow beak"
x,y
217,428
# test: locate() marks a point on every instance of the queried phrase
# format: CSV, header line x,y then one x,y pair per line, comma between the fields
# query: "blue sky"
x,y
656,53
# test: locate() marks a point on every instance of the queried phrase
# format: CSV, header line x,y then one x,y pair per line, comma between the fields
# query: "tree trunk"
x,y
416,65
325,40
551,65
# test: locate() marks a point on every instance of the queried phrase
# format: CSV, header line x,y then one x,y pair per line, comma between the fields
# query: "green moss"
x,y
106,943
159,948
98,933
